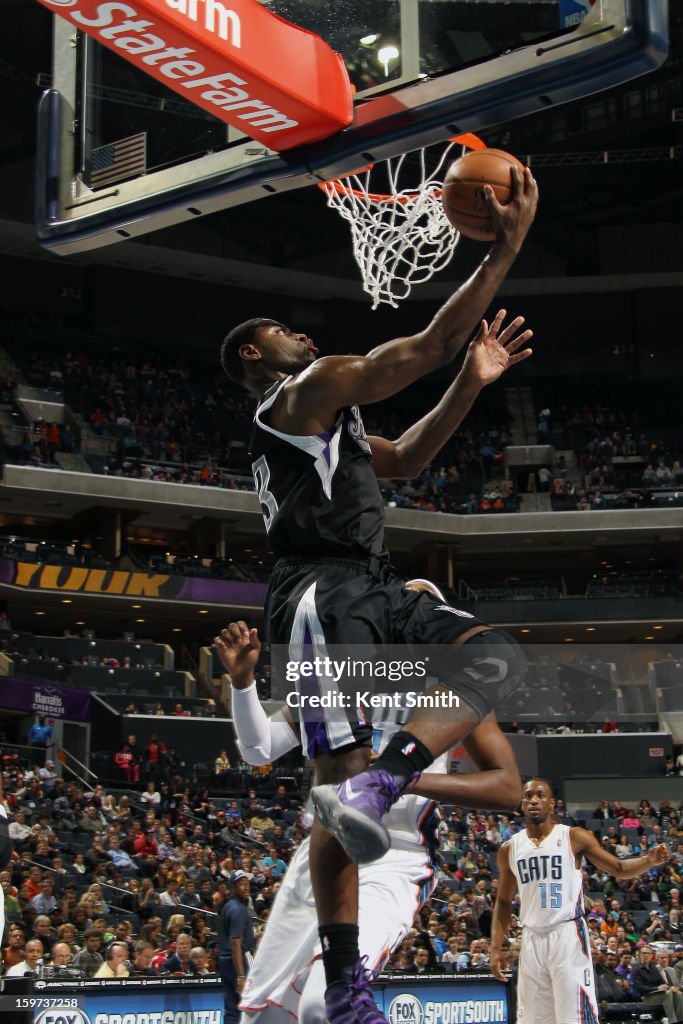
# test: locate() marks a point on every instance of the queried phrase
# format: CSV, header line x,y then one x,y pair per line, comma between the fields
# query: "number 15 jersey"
x,y
550,884
319,494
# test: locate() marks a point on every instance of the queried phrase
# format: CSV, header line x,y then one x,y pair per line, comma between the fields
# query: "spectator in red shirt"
x,y
33,882
154,753
155,749
126,762
145,846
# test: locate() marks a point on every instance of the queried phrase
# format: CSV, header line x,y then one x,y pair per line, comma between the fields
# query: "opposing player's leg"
x,y
312,1002
287,979
391,891
287,948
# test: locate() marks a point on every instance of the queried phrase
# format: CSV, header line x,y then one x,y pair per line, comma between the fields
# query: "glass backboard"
x,y
422,71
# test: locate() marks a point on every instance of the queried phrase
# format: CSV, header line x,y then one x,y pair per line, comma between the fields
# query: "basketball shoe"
x,y
353,811
350,1001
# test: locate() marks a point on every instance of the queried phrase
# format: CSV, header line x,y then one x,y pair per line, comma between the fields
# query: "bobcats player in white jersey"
x,y
543,862
286,979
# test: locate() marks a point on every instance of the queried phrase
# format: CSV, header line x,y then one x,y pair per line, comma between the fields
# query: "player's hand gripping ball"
x,y
463,195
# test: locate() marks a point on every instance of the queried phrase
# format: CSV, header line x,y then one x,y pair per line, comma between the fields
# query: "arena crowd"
x,y
148,867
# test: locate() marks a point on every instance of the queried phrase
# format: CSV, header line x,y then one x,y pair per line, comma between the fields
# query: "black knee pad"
x,y
485,670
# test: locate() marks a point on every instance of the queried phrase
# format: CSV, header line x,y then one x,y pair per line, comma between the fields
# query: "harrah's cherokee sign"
x,y
278,83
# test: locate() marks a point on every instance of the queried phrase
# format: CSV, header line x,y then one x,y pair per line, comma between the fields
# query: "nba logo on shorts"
x,y
405,1009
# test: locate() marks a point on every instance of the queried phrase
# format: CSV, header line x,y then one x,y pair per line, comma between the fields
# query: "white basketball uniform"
x,y
556,983
391,891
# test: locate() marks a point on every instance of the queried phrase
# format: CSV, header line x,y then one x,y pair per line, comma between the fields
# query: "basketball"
x,y
463,196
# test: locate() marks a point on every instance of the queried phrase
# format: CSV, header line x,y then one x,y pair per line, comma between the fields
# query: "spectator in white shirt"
x,y
18,829
170,898
150,798
33,953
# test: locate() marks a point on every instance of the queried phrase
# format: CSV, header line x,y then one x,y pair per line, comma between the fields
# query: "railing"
x,y
127,892
65,754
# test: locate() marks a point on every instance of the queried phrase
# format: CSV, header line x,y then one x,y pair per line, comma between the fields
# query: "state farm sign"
x,y
276,82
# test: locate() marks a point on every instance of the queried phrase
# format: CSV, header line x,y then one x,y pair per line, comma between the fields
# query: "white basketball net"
x,y
400,238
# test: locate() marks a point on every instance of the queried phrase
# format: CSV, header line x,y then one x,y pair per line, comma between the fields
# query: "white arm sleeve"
x,y
260,739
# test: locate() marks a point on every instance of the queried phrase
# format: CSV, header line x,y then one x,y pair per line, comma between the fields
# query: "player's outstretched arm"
x,y
585,844
453,324
261,739
502,911
496,786
489,355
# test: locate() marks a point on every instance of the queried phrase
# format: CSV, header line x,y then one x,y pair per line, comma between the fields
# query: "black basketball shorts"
x,y
359,606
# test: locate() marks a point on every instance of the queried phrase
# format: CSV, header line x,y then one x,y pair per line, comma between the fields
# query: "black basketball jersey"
x,y
319,493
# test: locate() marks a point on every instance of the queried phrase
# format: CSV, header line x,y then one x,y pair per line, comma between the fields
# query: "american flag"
x,y
125,158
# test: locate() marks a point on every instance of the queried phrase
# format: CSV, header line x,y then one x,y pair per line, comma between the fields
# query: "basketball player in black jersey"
x,y
316,475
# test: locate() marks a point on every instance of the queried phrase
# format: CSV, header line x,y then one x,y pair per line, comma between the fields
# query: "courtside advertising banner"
x,y
277,83
131,1005
404,1000
441,1001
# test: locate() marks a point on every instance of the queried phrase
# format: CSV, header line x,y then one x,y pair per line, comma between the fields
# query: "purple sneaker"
x,y
353,812
350,1000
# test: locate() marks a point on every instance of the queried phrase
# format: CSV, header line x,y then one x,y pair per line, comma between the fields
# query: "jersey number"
x,y
555,895
261,471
